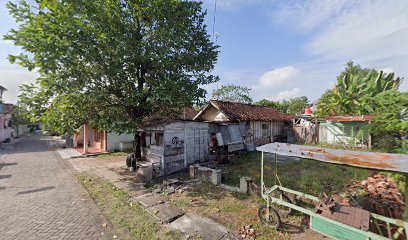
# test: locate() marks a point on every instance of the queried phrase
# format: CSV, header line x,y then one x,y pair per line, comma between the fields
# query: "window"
x,y
265,130
148,135
154,138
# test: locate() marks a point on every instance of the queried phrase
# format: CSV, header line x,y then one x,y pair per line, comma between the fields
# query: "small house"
x,y
100,141
346,131
173,144
244,126
6,114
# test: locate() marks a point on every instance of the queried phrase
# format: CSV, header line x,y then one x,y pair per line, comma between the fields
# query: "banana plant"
x,y
354,93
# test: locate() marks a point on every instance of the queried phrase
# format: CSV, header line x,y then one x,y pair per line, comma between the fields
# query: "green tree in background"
x,y
297,105
272,104
354,91
390,127
294,106
232,93
112,63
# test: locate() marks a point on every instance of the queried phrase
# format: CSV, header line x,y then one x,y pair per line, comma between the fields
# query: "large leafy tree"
x,y
112,63
354,91
294,106
232,93
390,127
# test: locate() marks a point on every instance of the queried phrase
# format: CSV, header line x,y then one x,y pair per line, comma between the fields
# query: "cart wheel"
x,y
274,219
283,210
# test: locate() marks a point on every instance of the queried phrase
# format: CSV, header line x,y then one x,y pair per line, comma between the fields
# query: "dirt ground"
x,y
232,210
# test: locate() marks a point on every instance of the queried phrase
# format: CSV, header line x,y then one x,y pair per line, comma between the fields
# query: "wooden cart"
x,y
346,222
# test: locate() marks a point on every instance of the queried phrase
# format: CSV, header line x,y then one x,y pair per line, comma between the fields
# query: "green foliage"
x,y
297,105
111,63
20,114
354,91
303,175
390,127
232,93
129,219
294,106
269,103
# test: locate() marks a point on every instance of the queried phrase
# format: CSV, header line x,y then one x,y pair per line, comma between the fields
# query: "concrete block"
x,y
165,212
216,176
244,184
204,227
192,171
150,200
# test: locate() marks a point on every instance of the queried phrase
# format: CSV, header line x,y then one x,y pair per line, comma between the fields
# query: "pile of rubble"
x,y
173,185
246,232
380,195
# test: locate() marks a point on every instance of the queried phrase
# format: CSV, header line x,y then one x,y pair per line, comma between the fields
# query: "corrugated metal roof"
x,y
362,118
372,160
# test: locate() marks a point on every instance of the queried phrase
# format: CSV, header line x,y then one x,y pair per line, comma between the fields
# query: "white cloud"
x,y
310,14
235,4
279,76
372,33
274,82
368,30
12,79
287,94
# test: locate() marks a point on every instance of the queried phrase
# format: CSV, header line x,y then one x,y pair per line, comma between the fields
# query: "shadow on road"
x,y
37,190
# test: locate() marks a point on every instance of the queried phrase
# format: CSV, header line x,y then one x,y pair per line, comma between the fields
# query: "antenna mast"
x,y
215,14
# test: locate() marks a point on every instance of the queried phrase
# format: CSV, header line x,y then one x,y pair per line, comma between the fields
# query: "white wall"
x,y
213,114
22,129
114,139
5,132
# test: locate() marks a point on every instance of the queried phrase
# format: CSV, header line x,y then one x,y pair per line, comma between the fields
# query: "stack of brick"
x,y
381,196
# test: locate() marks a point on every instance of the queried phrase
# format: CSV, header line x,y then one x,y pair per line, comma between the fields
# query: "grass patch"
x,y
113,154
303,175
232,210
129,219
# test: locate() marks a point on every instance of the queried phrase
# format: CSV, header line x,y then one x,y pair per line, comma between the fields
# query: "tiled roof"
x,y
362,118
249,112
187,114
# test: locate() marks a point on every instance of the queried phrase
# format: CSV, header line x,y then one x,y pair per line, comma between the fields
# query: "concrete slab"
x,y
204,227
165,212
68,153
149,200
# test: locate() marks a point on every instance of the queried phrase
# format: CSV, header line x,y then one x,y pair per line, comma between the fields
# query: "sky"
x,y
282,49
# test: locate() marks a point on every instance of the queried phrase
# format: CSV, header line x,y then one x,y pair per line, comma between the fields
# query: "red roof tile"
x,y
249,112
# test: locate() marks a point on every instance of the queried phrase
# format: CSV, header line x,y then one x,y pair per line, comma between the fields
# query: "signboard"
x,y
1,108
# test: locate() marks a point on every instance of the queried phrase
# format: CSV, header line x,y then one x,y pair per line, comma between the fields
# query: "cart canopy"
x,y
370,160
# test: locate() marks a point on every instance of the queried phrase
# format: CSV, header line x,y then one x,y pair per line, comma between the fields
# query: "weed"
x,y
129,219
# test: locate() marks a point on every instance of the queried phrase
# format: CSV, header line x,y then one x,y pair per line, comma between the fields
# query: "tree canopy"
x,y
112,63
354,91
232,93
294,106
390,127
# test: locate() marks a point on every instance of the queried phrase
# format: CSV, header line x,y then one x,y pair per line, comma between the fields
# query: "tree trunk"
x,y
143,134
137,149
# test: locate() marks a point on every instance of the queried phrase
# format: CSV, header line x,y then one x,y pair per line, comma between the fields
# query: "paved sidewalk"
x,y
40,197
164,211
